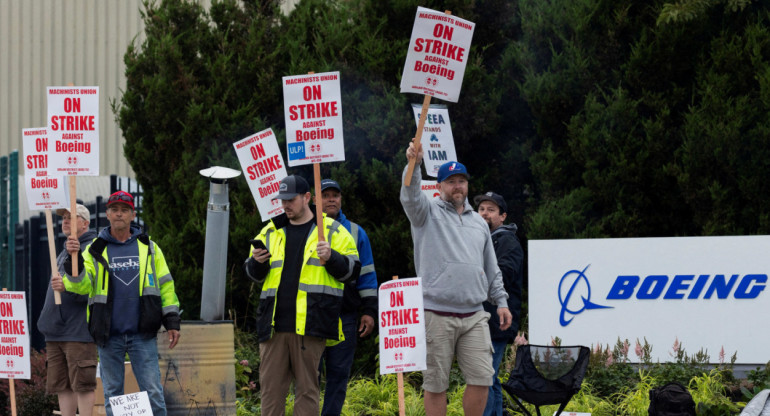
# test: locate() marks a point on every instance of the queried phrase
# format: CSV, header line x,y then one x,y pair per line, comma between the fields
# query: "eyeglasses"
x,y
121,198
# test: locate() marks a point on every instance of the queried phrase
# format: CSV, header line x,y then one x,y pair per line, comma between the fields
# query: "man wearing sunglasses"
x,y
131,293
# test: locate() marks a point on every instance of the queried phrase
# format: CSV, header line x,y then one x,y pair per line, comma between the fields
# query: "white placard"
x,y
703,292
402,326
438,144
313,111
14,336
437,55
132,404
73,130
429,188
263,165
43,191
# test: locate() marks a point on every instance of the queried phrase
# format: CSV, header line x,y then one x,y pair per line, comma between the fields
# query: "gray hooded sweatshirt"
x,y
453,253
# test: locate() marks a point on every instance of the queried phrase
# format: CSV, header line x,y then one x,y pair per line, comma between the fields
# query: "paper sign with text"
x,y
133,404
429,188
73,130
262,162
438,144
43,191
313,111
437,56
402,326
14,336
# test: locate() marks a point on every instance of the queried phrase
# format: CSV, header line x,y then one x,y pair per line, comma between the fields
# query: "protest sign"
x,y
313,111
133,404
440,146
44,191
73,130
402,326
429,188
261,160
437,56
14,336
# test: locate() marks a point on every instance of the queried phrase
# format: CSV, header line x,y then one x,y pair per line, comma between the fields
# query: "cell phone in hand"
x,y
258,244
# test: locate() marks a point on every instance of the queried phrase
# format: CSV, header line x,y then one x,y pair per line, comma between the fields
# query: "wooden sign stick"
x,y
400,382
319,218
52,250
73,214
417,138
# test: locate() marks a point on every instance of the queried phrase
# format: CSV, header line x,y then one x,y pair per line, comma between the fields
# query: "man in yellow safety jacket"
x,y
299,307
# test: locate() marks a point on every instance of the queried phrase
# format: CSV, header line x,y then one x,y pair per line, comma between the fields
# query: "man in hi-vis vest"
x,y
299,308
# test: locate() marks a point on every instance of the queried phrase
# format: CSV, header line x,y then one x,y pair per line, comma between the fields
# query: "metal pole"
x,y
215,255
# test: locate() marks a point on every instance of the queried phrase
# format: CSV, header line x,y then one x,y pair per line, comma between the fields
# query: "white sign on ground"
x,y
437,56
14,336
313,112
43,191
73,130
402,326
702,292
438,144
262,162
133,404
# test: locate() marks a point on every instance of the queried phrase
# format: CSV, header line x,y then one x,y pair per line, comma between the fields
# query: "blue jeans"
x,y
495,396
338,360
143,353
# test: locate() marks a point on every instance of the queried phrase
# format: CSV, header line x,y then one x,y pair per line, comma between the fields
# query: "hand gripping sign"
x,y
439,147
263,165
313,111
402,326
435,62
73,129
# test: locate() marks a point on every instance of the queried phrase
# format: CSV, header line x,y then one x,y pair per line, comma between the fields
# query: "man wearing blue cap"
x,y
361,294
454,255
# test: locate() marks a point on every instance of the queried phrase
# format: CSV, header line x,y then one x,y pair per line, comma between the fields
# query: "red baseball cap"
x,y
121,197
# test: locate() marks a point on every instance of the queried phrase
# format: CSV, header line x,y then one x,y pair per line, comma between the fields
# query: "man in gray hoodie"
x,y
454,255
70,349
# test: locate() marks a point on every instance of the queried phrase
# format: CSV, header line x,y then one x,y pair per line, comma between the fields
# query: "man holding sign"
x,y
131,293
454,255
302,289
70,349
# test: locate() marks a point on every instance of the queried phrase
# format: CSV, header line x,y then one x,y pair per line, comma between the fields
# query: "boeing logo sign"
x,y
575,284
575,289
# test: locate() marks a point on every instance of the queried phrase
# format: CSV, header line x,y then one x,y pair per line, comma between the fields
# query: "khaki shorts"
x,y
71,366
466,338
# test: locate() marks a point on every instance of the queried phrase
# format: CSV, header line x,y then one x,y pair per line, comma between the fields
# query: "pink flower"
x,y
677,345
638,349
252,385
722,355
597,348
625,348
609,360
245,363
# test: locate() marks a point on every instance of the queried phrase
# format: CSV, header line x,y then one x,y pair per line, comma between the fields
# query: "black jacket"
x,y
510,259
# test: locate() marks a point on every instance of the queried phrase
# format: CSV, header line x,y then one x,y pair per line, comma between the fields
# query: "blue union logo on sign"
x,y
296,151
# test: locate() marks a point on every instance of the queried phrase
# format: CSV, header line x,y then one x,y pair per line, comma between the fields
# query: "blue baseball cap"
x,y
451,168
329,183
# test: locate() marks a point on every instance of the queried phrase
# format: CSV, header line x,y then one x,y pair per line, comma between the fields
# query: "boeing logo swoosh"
x,y
575,286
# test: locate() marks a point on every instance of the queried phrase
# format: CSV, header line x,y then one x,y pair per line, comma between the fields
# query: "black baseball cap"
x,y
491,196
292,186
328,183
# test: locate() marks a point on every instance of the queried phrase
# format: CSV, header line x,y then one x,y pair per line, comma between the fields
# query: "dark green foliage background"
x,y
594,118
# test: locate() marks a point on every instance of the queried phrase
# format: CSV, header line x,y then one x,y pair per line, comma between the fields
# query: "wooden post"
x,y
417,138
400,383
52,250
319,218
73,212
